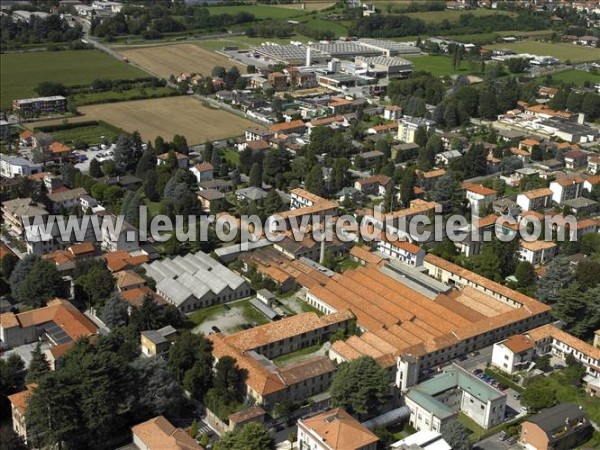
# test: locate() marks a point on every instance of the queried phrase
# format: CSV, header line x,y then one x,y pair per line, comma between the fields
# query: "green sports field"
x,y
577,76
20,73
440,65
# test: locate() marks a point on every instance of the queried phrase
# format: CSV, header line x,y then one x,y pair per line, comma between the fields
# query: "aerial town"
x,y
304,225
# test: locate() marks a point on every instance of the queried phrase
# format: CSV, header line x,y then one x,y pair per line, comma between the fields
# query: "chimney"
x,y
308,59
581,118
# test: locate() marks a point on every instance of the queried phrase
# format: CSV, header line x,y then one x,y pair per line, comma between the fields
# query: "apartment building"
x,y
14,166
400,250
537,252
535,199
479,197
566,189
19,212
513,354
40,105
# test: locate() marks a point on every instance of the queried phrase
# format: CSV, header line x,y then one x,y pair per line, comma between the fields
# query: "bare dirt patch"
x,y
165,117
166,60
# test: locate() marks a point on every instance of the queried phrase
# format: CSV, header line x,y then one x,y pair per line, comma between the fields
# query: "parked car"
x,y
502,436
477,371
215,329
226,307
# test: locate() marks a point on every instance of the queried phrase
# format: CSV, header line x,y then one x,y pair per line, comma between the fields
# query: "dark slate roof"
x,y
552,418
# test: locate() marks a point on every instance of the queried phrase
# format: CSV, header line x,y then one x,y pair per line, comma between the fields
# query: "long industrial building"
x,y
195,281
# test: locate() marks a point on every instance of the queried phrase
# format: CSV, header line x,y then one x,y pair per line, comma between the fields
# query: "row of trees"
x,y
37,30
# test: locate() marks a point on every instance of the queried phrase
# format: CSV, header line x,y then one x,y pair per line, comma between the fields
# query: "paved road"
x,y
226,107
492,443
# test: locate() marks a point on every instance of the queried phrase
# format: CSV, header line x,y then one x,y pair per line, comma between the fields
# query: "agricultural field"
x,y
563,52
92,98
21,73
165,60
90,134
452,16
316,5
244,42
165,117
577,76
259,11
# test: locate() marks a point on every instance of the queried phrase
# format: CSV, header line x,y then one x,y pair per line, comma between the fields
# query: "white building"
x,y
479,197
436,402
15,166
203,172
402,251
182,160
535,199
422,440
537,252
593,166
566,189
300,198
513,354
408,126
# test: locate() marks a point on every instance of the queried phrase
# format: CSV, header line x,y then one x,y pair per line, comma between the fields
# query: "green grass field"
x,y
92,134
440,65
259,11
574,53
577,76
21,73
323,25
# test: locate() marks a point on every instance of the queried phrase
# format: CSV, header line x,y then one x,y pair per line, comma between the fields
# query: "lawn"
x,y
577,76
231,156
92,98
91,134
574,53
20,73
308,308
338,28
259,11
201,315
439,65
251,314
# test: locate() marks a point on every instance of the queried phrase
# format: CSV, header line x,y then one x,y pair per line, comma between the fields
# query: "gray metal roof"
x,y
265,309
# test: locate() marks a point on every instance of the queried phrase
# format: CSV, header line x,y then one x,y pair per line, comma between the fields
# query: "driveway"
x,y
225,322
492,443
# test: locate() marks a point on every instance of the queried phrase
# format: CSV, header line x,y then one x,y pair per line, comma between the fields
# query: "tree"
x,y
42,283
50,89
9,262
525,274
147,316
538,396
421,136
20,271
128,150
407,184
12,370
94,280
255,176
186,351
517,65
558,274
487,104
39,365
198,380
586,274
207,151
180,144
146,164
115,312
230,380
456,435
252,436
150,186
360,386
314,180
272,203
543,363
95,168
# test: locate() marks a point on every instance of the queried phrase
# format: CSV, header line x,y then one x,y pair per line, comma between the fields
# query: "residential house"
x,y
15,166
566,189
409,149
208,198
278,80
575,159
159,434
506,207
535,199
182,160
376,185
203,171
251,194
562,427
255,133
26,138
401,250
157,342
593,165
447,157
513,354
66,200
126,280
333,122
392,112
18,406
581,206
255,146
223,186
479,197
119,235
334,430
529,144
294,126
589,183
522,154
430,178
372,157
390,127
537,252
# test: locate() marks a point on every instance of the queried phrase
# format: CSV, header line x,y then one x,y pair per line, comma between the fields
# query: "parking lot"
x,y
86,156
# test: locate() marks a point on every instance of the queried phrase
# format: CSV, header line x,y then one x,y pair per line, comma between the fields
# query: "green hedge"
x,y
70,126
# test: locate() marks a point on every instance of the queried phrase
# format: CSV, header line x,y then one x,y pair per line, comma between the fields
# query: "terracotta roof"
x,y
433,173
246,414
178,156
5,251
59,257
593,180
479,189
365,255
537,193
377,179
20,399
135,297
339,430
204,167
487,221
530,142
519,343
386,127
543,109
550,331
59,311
573,154
127,278
259,144
57,147
287,126
307,195
282,329
536,246
26,134
82,248
327,120
519,152
569,181
159,434
122,259
401,244
38,176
